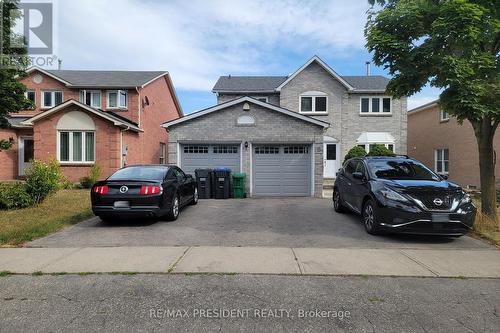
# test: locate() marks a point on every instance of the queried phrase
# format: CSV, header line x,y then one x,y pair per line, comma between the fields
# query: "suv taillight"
x,y
101,189
148,189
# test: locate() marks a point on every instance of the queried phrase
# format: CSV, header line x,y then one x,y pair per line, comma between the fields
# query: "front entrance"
x,y
25,154
330,159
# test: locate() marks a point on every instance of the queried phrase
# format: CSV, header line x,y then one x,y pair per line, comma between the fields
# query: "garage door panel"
x,y
281,170
210,156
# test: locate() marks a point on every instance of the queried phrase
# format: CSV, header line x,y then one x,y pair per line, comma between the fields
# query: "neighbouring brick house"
x,y
439,141
81,118
289,133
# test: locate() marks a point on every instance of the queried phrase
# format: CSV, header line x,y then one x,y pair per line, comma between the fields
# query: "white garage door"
x,y
281,170
200,156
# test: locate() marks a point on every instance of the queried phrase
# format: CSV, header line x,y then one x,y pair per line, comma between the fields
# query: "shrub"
x,y
93,176
380,150
43,179
13,196
355,151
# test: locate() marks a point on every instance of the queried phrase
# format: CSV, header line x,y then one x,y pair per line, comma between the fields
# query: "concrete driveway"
x,y
283,222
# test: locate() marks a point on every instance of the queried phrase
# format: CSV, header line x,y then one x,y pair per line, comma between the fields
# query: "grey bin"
x,y
204,178
222,183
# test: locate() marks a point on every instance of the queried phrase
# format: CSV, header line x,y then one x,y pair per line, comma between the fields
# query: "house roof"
x,y
269,84
242,100
15,121
423,107
110,116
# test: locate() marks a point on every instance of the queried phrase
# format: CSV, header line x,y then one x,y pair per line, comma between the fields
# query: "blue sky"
x,y
197,41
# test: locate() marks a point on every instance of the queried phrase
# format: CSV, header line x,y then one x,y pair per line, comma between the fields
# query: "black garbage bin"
x,y
204,178
222,183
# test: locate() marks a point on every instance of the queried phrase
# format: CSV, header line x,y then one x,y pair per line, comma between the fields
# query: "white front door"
x,y
25,154
330,158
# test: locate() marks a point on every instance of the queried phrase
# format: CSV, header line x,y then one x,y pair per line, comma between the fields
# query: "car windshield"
x,y
397,169
140,173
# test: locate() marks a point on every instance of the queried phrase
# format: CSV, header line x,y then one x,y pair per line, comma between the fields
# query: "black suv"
x,y
399,194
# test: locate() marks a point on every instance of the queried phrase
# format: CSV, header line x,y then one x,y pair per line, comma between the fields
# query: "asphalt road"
x,y
181,303
283,222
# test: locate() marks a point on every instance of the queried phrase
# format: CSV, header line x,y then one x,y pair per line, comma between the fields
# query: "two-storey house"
x,y
112,118
289,133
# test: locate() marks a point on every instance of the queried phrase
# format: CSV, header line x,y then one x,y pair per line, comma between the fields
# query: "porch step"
x,y
328,187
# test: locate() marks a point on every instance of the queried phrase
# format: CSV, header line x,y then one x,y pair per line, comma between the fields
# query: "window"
x,y
444,116
51,98
225,149
296,150
261,98
375,105
313,102
196,149
76,146
267,150
117,99
30,95
442,161
162,153
91,98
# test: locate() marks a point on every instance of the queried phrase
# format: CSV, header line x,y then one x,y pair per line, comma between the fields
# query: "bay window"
x,y
117,99
375,105
51,99
76,146
91,97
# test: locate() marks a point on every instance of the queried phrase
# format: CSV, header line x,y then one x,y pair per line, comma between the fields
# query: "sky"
x,y
197,41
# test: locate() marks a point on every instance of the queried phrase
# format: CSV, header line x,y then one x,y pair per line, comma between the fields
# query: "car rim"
x,y
175,209
336,200
369,217
195,194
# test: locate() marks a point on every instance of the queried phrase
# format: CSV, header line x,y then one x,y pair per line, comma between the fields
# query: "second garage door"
x,y
281,170
200,156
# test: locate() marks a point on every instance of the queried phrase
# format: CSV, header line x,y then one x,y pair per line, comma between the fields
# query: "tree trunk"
x,y
485,132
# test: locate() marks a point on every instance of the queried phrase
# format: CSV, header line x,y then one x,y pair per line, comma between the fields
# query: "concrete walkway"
x,y
253,260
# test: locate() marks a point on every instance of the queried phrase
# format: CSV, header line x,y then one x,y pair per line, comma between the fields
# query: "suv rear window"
x,y
140,173
398,169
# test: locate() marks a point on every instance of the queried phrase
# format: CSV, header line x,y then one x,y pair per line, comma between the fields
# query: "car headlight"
x,y
392,195
466,198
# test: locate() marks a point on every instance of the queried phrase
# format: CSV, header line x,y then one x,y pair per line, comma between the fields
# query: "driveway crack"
x,y
297,261
419,263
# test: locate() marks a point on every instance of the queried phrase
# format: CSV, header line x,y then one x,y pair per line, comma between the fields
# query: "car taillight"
x,y
148,189
101,189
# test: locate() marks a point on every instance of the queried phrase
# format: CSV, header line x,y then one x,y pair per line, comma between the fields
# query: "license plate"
x,y
440,217
122,204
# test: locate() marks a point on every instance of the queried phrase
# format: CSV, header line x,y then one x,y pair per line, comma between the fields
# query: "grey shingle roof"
x,y
16,121
84,78
270,83
248,83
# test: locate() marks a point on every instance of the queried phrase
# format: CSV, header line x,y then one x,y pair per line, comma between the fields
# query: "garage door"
x,y
281,170
201,156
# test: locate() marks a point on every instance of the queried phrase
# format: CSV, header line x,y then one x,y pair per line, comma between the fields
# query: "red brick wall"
x,y
107,145
427,133
9,163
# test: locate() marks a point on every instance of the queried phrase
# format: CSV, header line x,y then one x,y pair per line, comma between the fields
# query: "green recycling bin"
x,y
239,185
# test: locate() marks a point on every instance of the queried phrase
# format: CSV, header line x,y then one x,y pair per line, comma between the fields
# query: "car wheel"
x,y
194,201
173,213
370,218
337,202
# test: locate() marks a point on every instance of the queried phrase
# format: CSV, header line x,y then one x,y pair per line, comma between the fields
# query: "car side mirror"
x,y
445,177
358,175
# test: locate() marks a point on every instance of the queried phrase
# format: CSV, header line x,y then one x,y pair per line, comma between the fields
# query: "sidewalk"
x,y
253,260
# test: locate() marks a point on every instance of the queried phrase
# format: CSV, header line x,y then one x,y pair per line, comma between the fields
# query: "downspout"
x,y
121,145
139,107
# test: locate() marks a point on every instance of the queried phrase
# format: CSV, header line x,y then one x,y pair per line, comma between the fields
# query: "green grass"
x,y
64,208
485,227
5,273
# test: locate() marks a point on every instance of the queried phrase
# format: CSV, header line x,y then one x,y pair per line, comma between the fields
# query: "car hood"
x,y
421,185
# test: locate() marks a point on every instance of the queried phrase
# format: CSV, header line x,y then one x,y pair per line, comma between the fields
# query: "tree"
x,y
453,45
14,61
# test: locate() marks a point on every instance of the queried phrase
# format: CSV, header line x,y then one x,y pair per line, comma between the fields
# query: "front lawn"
x,y
64,208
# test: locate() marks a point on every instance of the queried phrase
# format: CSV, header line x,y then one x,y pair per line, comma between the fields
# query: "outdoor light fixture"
x,y
246,144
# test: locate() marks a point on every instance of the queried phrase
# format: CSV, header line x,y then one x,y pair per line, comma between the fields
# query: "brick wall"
x,y
426,133
9,163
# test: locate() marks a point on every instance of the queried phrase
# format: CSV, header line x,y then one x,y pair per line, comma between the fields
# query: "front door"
x,y
330,160
25,154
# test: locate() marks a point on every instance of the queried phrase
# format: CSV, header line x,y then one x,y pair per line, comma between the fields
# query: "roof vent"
x,y
246,107
368,70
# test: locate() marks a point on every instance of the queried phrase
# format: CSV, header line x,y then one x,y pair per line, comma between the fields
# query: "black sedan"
x,y
399,194
144,191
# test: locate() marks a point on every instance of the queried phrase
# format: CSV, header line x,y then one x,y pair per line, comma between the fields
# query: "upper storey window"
x,y
91,97
444,116
51,99
117,99
376,105
313,102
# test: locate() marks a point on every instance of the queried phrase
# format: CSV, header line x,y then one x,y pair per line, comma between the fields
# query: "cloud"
x,y
199,40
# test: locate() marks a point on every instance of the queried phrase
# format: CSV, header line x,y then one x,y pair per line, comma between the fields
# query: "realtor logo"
x,y
32,27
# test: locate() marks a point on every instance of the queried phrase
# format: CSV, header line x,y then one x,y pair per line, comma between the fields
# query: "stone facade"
x,y
271,98
270,127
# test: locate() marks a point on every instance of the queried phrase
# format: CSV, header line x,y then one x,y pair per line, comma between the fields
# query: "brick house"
x,y
289,134
437,139
81,118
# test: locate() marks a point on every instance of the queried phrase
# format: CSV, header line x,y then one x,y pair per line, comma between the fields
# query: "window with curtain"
x,y
91,98
76,146
117,99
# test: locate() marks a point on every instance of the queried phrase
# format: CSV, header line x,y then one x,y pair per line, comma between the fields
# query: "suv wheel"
x,y
370,218
337,202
